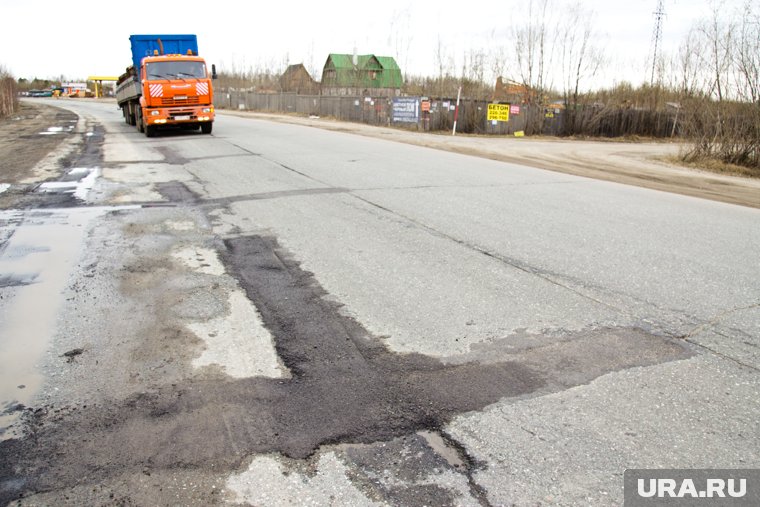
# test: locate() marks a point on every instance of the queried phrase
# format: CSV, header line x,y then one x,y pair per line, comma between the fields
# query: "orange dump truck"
x,y
167,84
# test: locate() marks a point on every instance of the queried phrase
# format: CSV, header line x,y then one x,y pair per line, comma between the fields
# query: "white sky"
x,y
49,38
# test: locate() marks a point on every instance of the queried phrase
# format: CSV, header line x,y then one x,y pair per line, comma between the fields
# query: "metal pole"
x,y
456,112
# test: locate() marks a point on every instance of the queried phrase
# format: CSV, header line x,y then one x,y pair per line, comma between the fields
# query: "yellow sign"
x,y
498,112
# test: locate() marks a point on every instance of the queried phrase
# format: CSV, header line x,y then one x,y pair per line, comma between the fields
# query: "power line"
x,y
659,14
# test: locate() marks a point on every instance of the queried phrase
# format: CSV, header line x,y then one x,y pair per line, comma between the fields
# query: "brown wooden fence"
x,y
437,114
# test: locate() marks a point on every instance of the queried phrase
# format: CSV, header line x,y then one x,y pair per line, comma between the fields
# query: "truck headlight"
x,y
207,110
155,113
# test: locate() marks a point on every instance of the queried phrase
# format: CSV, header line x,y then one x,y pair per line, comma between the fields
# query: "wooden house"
x,y
369,75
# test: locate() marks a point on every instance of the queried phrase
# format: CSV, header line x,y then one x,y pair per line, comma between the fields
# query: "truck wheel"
x,y
131,115
206,127
139,121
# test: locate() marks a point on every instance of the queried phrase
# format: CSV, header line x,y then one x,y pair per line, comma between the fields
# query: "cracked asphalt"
x,y
279,314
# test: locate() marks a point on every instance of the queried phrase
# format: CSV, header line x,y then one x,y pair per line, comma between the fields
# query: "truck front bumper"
x,y
176,116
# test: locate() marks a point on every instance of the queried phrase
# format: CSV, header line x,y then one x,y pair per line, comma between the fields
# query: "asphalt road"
x,y
276,314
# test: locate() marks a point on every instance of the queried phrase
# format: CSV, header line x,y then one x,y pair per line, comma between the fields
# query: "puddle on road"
x,y
79,187
35,261
57,130
39,250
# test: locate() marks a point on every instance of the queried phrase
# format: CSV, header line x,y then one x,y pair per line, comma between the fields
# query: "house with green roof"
x,y
377,76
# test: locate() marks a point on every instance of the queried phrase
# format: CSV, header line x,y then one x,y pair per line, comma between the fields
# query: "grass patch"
x,y
714,166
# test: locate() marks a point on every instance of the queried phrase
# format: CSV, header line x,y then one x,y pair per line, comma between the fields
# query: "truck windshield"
x,y
175,70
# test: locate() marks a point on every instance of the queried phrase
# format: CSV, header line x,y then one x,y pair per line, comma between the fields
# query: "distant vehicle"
x,y
167,84
40,93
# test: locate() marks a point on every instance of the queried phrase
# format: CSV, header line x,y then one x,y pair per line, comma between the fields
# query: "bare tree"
x,y
718,35
723,121
748,53
534,51
400,35
474,65
686,68
445,64
497,58
532,44
580,57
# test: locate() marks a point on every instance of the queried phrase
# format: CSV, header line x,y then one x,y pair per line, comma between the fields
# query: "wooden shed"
x,y
296,79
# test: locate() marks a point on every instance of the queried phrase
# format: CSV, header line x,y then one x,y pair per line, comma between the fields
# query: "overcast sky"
x,y
49,38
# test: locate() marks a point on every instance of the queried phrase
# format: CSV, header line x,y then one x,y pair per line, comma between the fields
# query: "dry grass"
x,y
714,166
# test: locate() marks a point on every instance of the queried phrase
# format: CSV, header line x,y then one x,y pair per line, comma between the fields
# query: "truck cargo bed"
x,y
146,45
128,90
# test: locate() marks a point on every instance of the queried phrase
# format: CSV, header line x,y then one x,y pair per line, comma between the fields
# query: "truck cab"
x,y
176,90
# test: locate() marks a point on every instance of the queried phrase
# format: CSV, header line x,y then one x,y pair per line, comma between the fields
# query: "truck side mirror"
x,y
213,71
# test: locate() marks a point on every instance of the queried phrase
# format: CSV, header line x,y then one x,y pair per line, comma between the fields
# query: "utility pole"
x,y
657,36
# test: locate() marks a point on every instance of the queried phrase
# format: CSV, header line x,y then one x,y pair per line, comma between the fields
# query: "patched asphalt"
x,y
346,387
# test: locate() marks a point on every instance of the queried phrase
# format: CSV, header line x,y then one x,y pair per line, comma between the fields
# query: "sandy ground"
x,y
643,164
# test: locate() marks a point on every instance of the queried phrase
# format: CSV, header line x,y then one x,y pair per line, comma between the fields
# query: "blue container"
x,y
145,45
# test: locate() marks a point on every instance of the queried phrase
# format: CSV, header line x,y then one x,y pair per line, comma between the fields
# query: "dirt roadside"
x,y
36,130
639,164
28,136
